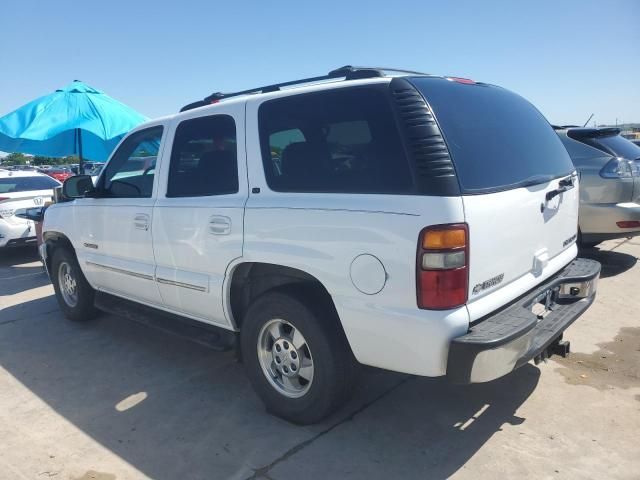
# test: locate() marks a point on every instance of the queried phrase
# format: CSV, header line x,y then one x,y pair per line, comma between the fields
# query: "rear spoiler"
x,y
582,133
564,127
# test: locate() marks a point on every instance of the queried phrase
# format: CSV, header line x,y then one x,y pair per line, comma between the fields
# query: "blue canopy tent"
x,y
74,120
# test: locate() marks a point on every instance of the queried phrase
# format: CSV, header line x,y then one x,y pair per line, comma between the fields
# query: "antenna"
x,y
585,123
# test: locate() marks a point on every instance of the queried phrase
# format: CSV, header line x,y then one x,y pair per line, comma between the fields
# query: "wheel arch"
x,y
249,280
53,240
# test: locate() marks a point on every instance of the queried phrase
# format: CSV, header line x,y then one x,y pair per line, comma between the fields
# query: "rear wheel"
x,y
73,293
296,356
585,244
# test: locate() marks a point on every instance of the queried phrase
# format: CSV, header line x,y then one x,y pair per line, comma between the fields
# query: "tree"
x,y
22,159
40,160
16,159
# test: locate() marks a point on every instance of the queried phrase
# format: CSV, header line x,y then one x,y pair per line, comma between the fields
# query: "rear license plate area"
x,y
543,304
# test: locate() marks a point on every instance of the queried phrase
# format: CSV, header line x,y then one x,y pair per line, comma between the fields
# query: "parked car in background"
x,y
609,167
28,168
365,219
19,190
59,173
94,169
636,142
91,168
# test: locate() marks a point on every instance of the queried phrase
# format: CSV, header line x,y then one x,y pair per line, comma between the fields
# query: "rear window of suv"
x,y
614,145
337,141
497,140
25,184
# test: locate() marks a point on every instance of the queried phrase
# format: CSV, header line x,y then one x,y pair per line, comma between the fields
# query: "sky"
x,y
569,58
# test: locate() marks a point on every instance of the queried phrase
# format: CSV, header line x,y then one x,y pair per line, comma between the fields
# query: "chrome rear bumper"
x,y
598,221
514,335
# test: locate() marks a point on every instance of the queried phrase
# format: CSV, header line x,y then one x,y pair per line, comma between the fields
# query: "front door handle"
x,y
219,225
141,221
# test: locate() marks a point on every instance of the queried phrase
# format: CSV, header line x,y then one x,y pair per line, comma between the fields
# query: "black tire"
x,y
84,308
584,245
335,368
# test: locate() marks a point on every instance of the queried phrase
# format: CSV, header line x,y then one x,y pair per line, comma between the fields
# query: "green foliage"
x,y
15,159
22,159
40,160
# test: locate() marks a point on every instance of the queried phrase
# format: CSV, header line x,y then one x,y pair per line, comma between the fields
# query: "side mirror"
x,y
35,214
79,186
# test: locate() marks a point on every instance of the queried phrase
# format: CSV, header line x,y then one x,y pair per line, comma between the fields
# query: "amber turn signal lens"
x,y
445,238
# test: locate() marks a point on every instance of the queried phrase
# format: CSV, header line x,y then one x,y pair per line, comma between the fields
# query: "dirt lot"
x,y
112,399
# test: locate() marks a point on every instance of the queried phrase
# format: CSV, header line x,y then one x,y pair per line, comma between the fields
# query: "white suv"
x,y
19,190
415,223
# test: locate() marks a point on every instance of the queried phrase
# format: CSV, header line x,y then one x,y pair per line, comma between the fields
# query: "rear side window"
x,y
25,184
497,140
337,141
203,158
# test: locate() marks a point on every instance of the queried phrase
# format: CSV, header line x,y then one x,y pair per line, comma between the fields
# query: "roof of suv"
x,y
347,73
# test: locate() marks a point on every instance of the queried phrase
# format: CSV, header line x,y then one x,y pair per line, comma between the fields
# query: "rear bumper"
x,y
16,234
598,221
511,337
19,242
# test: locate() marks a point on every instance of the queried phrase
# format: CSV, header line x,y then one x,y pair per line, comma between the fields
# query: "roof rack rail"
x,y
347,72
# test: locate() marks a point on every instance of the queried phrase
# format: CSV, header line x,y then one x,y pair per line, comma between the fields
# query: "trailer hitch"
x,y
557,347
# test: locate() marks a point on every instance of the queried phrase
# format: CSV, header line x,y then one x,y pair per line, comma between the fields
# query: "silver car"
x,y
609,168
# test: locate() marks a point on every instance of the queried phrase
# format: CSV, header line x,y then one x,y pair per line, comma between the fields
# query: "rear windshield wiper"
x,y
535,180
564,185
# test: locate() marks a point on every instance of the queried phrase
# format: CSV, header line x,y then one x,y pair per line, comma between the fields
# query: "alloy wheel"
x,y
68,284
285,358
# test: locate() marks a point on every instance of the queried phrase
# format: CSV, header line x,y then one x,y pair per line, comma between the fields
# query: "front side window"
x,y
130,172
203,158
337,141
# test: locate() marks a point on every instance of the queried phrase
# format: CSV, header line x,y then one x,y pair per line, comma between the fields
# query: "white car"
x,y
18,190
416,223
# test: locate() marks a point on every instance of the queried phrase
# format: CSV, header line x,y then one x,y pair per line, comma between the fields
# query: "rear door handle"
x,y
141,221
219,225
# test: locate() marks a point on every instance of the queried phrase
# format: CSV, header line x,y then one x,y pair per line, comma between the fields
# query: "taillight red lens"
x,y
466,81
442,279
628,224
442,289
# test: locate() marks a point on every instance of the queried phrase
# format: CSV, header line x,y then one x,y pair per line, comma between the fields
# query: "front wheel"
x,y
73,293
296,356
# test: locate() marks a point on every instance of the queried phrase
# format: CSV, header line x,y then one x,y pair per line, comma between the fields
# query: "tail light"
x,y
620,168
442,279
5,212
466,81
628,224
